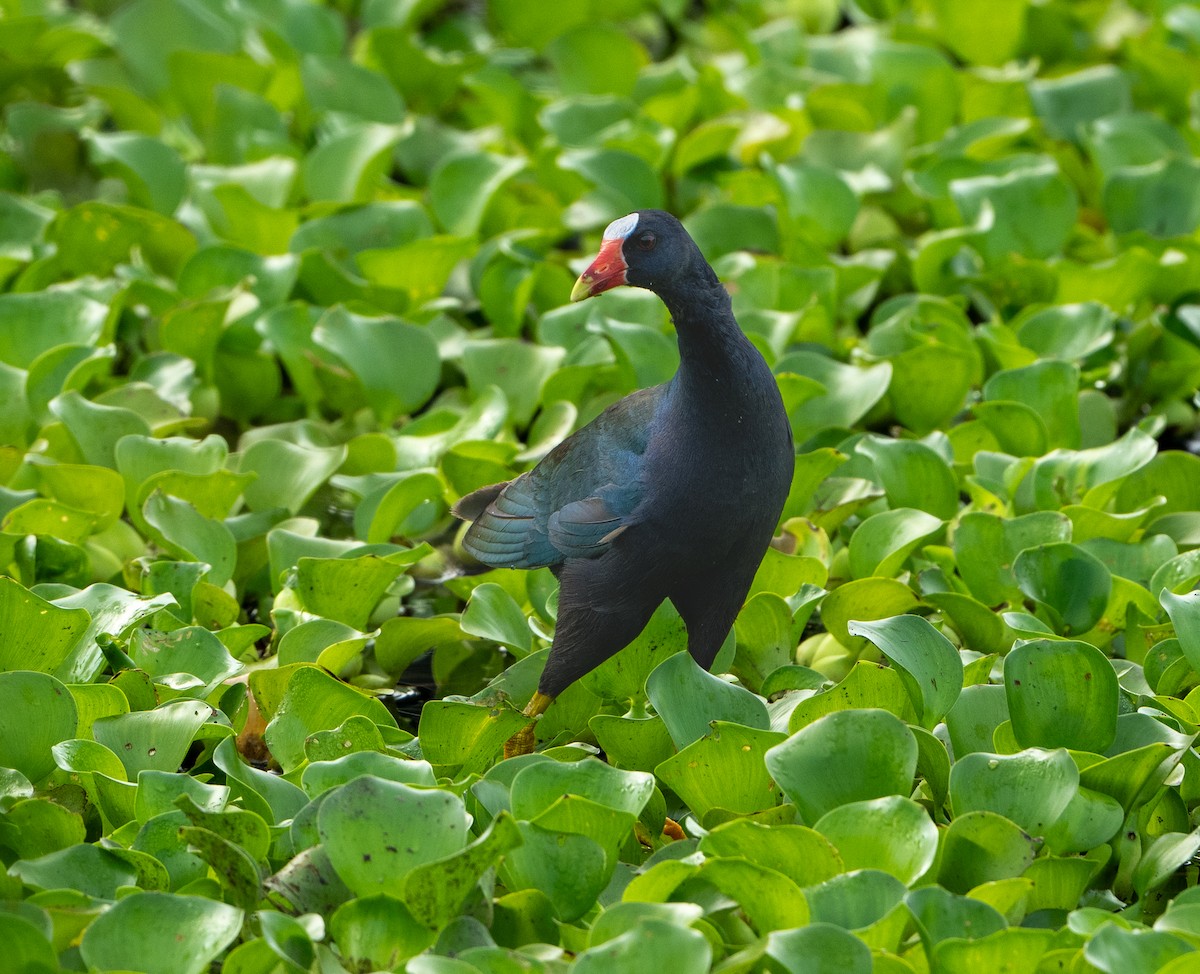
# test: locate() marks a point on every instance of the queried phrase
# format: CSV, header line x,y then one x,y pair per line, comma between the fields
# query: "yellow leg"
x,y
523,740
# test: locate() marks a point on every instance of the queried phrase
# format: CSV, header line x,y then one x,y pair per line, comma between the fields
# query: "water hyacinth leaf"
x,y
913,475
173,934
982,847
850,392
463,185
493,614
723,769
287,474
186,533
1166,854
27,946
864,599
536,787
403,639
105,609
1068,332
941,915
819,948
346,167
930,384
376,832
371,346
32,324
689,699
435,891
320,776
769,899
1072,584
926,660
1061,694
885,540
36,713
1050,389
1184,612
622,917
1016,948
570,869
863,898
403,509
1146,198
1090,819
314,700
985,547
1090,475
193,656
867,686
378,932
456,733
818,203
652,946
848,756
347,589
962,28
892,834
97,490
518,368
803,855
417,271
1113,949
155,739
1033,210
1031,788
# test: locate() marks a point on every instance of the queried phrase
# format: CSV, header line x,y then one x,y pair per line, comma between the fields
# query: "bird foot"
x,y
521,742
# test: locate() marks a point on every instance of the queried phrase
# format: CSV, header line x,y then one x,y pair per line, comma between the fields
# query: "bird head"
x,y
647,249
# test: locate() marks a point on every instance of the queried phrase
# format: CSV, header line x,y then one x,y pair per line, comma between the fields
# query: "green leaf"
x,y
848,756
891,834
32,324
1032,788
153,739
982,847
570,869
159,934
376,832
377,932
288,474
186,533
370,347
37,634
347,167
723,769
1061,694
313,700
884,541
653,945
1070,583
493,614
461,188
596,58
927,662
36,713
689,699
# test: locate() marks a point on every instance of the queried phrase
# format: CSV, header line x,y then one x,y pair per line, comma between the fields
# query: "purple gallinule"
x,y
671,493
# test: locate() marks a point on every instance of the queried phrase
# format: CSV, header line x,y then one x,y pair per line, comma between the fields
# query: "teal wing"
x,y
573,504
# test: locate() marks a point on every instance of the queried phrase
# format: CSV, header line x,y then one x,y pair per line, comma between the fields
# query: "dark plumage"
x,y
673,492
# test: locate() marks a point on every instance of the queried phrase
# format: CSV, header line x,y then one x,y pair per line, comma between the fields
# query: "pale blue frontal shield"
x,y
622,228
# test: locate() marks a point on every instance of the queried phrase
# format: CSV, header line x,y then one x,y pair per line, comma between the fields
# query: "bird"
x,y
673,492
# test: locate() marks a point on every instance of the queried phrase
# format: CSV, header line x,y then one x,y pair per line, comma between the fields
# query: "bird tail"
x,y
475,503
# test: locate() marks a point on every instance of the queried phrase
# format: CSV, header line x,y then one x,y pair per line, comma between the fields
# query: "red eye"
x,y
646,241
